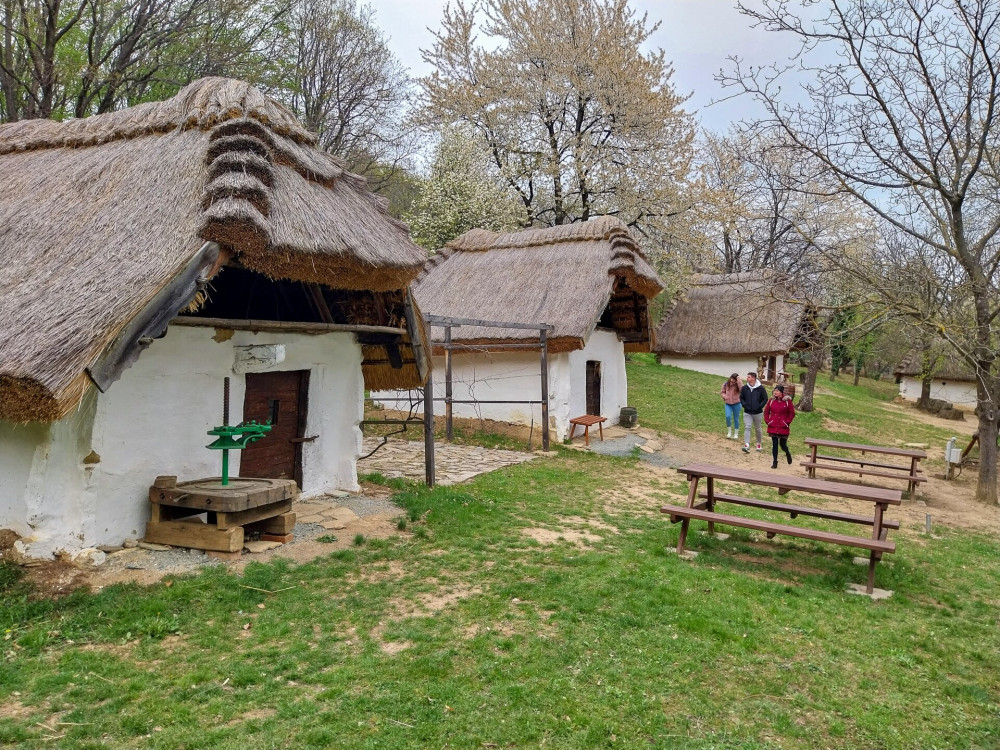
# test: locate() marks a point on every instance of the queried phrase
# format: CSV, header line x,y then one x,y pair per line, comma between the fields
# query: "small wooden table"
x,y
586,421
705,511
862,466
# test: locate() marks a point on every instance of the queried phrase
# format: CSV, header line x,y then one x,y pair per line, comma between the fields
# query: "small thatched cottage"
x,y
733,323
208,234
951,379
589,280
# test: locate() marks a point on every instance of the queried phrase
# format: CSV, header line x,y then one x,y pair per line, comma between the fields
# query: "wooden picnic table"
x,y
911,473
881,497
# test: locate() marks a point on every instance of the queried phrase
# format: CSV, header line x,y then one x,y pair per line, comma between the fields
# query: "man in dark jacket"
x,y
753,397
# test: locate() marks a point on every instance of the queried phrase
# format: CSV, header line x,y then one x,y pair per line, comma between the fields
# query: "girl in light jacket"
x,y
731,398
778,415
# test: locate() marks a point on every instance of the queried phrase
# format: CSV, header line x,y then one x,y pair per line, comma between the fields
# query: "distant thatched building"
x,y
590,280
733,323
949,378
212,212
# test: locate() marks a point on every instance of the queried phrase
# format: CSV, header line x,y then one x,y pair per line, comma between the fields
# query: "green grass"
x,y
753,645
682,402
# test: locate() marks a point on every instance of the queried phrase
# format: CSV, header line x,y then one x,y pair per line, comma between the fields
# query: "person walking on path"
x,y
753,399
778,415
731,399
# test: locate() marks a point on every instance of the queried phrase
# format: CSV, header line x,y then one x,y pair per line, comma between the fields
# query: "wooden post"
x,y
692,494
447,382
429,430
543,339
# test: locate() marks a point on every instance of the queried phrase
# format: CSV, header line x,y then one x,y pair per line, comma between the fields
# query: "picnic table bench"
x,y
881,497
865,466
585,422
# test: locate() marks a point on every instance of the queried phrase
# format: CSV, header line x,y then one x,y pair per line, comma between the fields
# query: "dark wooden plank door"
x,y
593,387
280,398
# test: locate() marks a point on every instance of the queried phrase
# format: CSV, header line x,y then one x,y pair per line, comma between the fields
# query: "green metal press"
x,y
236,437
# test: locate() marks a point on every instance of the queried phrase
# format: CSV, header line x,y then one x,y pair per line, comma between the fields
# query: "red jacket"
x,y
778,415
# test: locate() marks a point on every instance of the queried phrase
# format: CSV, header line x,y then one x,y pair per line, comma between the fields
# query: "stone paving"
x,y
452,463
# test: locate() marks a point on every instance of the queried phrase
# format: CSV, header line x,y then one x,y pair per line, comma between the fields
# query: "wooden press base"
x,y
203,514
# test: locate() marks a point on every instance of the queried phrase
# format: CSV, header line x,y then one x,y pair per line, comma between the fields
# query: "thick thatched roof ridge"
x,y
562,276
749,313
202,104
101,217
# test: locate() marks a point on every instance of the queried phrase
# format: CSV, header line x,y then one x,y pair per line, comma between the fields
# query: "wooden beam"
x,y
444,320
282,325
151,322
316,292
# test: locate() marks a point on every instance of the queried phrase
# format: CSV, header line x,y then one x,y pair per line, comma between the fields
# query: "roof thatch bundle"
x,y
753,313
100,215
563,276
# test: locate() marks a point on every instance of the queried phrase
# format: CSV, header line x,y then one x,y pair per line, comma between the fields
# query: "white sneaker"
x,y
729,432
758,446
736,434
746,447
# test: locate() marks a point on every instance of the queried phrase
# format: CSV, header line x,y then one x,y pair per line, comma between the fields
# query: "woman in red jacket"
x,y
778,415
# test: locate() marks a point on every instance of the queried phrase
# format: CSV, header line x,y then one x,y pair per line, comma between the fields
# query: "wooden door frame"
x,y
300,428
600,385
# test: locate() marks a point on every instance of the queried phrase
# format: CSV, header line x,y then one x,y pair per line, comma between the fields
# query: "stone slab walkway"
x,y
453,463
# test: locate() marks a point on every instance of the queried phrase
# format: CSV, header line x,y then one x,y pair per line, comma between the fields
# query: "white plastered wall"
x,y
602,346
154,421
962,394
501,376
723,366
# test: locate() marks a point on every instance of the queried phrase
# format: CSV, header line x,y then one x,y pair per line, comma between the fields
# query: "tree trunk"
x,y
809,384
857,371
924,402
989,423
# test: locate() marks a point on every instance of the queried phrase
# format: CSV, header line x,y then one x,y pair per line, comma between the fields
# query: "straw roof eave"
x,y
748,314
139,191
561,276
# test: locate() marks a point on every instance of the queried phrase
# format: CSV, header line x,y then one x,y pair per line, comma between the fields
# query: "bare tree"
x,y
901,110
30,77
60,58
346,84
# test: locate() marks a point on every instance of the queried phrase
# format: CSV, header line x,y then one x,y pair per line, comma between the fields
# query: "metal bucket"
x,y
628,416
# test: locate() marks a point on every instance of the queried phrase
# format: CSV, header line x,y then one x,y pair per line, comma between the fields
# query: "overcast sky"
x,y
697,35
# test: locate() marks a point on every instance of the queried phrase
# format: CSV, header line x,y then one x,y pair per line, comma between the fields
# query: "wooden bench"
x,y
586,421
863,466
876,544
800,510
772,529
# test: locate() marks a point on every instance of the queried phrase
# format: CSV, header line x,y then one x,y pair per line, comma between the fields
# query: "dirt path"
x,y
949,503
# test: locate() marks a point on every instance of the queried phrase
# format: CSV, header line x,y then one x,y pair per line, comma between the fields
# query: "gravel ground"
x,y
624,446
137,558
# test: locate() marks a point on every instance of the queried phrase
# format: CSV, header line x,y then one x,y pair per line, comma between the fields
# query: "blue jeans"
x,y
733,414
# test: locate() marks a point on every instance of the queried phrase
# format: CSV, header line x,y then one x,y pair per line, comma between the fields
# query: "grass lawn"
x,y
465,632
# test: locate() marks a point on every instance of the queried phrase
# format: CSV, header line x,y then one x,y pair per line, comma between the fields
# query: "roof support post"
x,y
447,383
543,339
429,430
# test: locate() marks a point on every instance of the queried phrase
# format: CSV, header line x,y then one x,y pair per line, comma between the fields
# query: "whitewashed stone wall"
x,y
962,394
723,366
515,375
83,481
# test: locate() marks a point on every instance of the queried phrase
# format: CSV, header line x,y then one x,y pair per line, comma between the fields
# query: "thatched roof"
x,y
563,276
99,215
753,313
945,365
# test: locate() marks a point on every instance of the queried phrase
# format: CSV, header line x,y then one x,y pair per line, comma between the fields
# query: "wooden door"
x,y
280,398
593,387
